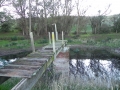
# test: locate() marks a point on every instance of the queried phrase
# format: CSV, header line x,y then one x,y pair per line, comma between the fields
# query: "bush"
x,y
14,38
5,27
69,40
42,41
105,29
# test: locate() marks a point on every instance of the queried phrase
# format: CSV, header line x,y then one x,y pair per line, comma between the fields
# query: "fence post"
x,y
49,37
32,42
53,41
56,32
62,37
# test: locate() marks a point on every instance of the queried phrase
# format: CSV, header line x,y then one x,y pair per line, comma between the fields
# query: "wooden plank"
x,y
16,73
21,67
39,56
27,84
32,67
34,58
27,62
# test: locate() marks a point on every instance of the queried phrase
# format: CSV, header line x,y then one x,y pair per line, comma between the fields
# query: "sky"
x,y
96,5
92,5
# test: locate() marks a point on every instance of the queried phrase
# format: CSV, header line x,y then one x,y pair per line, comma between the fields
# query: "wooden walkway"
x,y
32,67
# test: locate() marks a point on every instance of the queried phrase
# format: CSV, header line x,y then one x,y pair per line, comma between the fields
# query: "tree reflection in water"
x,y
96,70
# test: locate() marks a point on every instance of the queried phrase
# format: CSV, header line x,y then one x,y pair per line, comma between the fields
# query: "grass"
x,y
9,34
103,40
65,83
109,40
9,84
16,43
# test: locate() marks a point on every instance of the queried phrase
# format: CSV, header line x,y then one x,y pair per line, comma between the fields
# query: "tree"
x,y
96,21
66,20
5,27
116,26
21,10
2,2
81,20
5,22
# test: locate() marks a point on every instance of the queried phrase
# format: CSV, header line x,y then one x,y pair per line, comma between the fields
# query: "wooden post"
x,y
29,16
49,37
32,42
56,32
62,37
30,33
53,41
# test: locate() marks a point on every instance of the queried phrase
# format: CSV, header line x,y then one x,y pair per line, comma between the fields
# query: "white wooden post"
x,y
30,33
32,42
49,37
56,32
62,37
53,41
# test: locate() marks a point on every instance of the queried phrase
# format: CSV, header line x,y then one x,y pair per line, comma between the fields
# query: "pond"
x,y
83,69
94,69
4,60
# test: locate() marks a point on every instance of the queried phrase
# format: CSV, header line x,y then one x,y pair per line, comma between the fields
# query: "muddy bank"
x,y
13,52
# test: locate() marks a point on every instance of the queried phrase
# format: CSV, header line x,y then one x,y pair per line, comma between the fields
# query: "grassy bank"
x,y
9,84
102,40
18,41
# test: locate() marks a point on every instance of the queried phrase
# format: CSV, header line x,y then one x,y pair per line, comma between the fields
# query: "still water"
x,y
5,60
105,73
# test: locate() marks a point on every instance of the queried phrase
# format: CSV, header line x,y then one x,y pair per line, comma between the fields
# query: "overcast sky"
x,y
102,5
94,6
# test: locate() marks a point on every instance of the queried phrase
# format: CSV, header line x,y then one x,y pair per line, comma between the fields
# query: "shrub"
x,y
105,29
69,40
5,27
14,38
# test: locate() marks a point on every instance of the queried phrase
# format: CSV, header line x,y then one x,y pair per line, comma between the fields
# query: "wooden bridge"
x,y
32,67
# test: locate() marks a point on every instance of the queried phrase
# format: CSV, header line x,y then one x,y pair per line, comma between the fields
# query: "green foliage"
x,y
19,44
116,27
9,84
42,41
5,27
15,38
12,38
5,22
69,40
105,29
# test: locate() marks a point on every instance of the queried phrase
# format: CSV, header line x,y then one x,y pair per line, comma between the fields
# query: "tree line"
x,y
46,12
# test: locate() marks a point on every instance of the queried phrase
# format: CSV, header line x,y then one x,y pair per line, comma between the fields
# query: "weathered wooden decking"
x,y
32,67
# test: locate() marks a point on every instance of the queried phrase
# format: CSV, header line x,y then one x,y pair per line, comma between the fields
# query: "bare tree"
x,y
3,2
21,8
81,19
96,21
67,8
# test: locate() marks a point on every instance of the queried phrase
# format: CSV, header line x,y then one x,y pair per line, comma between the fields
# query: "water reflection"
x,y
98,71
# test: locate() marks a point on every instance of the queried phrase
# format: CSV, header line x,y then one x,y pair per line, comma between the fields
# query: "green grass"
x,y
111,40
14,40
9,84
21,44
6,44
9,34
